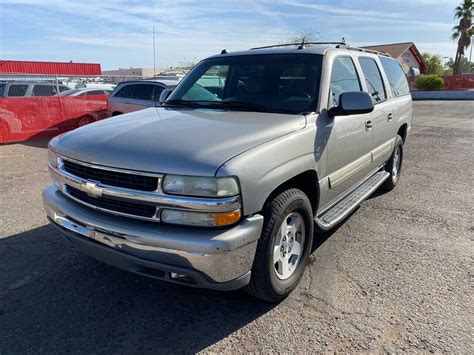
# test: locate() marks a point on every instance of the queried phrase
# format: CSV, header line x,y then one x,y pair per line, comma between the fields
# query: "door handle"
x,y
389,117
368,125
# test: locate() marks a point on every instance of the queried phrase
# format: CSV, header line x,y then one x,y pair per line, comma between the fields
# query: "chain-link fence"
x,y
33,106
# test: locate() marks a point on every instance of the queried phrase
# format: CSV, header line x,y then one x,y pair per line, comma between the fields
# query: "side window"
x,y
44,90
373,79
125,91
396,76
214,80
143,92
344,78
2,89
63,88
17,90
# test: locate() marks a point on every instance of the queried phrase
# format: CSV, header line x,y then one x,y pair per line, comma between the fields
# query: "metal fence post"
x,y
57,86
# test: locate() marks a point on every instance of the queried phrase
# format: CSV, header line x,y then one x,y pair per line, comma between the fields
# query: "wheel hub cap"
x,y
396,164
288,246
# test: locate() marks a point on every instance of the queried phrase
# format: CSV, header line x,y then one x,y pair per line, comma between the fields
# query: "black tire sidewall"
x,y
398,145
298,203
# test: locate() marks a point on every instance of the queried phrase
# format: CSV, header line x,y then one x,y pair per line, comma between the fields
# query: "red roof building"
x,y
48,68
406,53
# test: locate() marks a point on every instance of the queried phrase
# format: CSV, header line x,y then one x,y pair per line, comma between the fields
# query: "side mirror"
x,y
164,95
352,103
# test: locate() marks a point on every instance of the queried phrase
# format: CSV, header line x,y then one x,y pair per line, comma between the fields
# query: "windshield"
x,y
282,83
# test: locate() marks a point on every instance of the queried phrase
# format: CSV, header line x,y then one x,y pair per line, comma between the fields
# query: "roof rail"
x,y
300,45
365,50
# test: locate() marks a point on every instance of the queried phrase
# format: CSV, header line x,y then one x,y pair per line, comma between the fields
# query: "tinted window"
x,y
144,92
344,78
2,89
396,76
283,83
44,90
124,92
373,79
17,90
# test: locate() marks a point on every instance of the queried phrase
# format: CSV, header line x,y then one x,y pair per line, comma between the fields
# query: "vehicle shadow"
x,y
57,300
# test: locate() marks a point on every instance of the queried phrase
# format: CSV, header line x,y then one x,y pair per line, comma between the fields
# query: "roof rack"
x,y
365,50
300,45
342,44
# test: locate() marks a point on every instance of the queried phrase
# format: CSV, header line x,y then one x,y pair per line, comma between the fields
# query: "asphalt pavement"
x,y
396,276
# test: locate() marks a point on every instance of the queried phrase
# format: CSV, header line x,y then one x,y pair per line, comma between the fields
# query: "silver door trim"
x,y
348,170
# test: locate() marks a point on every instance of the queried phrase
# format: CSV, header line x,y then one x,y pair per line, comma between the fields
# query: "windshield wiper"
x,y
185,103
238,105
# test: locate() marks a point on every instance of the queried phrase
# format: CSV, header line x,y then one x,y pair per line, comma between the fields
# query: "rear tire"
x,y
394,165
288,223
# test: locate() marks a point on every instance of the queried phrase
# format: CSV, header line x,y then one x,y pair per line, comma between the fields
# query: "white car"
x,y
86,92
136,95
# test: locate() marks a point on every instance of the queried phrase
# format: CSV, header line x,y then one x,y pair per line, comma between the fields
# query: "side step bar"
x,y
343,208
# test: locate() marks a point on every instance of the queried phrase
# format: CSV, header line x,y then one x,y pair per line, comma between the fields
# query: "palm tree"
x,y
462,32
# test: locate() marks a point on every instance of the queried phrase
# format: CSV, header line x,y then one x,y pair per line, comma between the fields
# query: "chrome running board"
x,y
331,217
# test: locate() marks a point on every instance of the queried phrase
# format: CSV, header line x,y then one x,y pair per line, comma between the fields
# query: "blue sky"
x,y
118,33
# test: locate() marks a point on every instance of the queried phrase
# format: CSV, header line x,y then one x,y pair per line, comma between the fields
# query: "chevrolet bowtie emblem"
x,y
91,189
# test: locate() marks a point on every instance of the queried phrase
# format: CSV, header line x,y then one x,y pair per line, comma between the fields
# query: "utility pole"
x,y
154,54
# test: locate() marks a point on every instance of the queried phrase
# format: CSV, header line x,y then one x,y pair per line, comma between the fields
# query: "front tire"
x,y
284,247
394,165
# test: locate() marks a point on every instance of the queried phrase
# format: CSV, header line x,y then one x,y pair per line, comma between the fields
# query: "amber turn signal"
x,y
224,219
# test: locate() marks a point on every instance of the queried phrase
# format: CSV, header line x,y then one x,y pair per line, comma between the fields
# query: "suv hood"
x,y
183,141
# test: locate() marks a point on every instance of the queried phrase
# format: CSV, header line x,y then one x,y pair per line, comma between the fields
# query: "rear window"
x,y
396,76
17,90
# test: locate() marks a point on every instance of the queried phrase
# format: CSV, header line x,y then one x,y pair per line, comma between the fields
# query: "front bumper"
x,y
210,258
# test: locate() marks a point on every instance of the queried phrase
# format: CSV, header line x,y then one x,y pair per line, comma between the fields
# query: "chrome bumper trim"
x,y
220,255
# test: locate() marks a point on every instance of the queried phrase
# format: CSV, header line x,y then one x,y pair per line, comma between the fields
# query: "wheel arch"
x,y
402,131
307,181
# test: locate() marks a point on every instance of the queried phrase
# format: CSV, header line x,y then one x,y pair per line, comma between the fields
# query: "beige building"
x,y
406,53
130,73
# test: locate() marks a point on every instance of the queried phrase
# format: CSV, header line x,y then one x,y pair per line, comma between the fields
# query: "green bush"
x,y
429,82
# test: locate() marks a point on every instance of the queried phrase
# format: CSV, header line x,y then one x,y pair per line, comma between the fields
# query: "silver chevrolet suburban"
x,y
224,183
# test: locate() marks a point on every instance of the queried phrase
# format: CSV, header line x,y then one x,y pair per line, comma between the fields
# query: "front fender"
x,y
262,169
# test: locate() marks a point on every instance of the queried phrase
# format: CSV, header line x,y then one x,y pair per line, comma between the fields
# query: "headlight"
x,y
200,186
199,218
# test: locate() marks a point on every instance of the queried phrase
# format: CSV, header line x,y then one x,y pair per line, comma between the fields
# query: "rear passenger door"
x,y
382,117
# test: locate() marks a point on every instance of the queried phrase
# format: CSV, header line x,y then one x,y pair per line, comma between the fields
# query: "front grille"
x,y
113,178
131,208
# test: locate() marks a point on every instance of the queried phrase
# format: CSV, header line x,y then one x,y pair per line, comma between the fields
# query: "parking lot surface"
x,y
396,276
